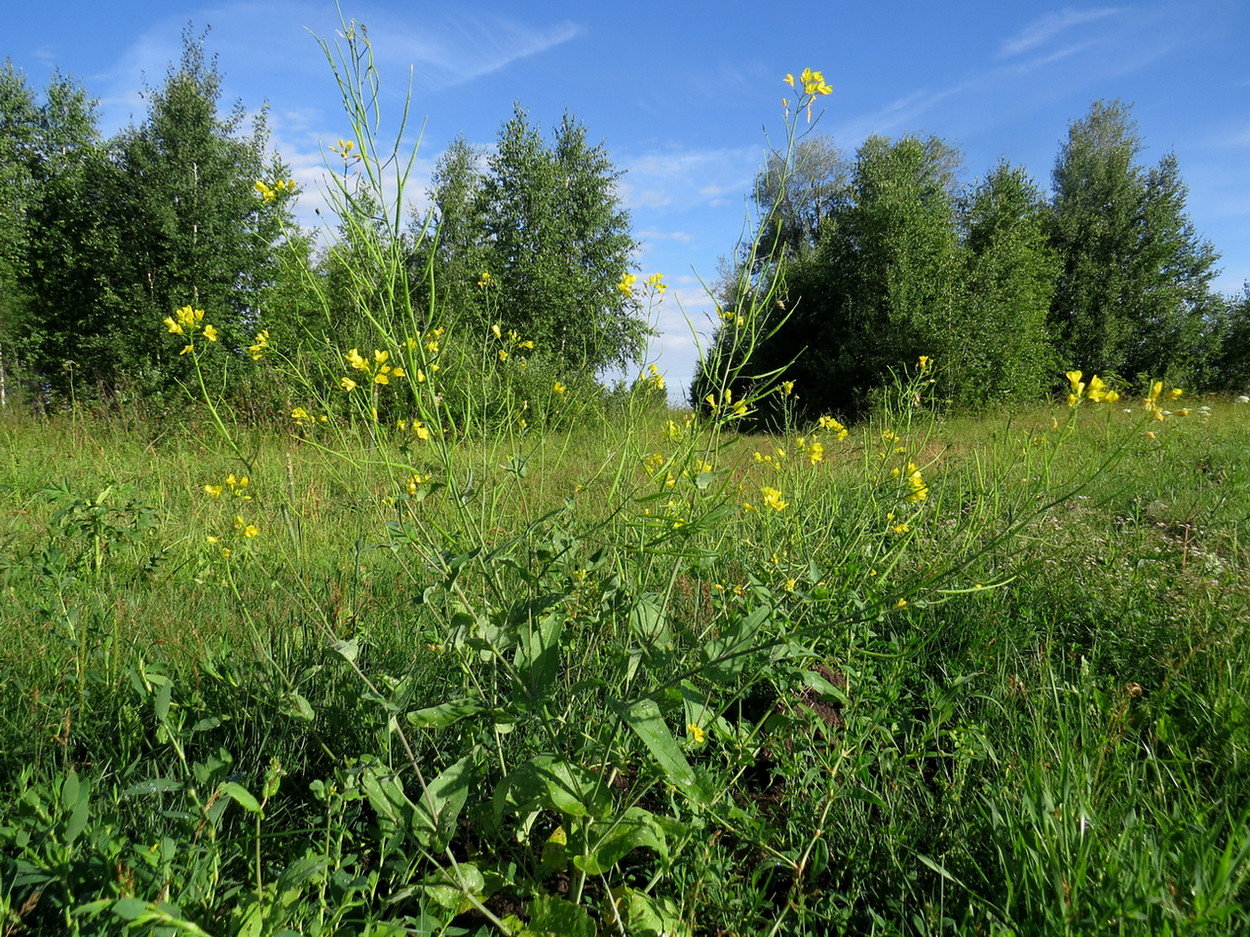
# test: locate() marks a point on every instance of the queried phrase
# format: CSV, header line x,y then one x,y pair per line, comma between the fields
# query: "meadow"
x,y
929,675
419,634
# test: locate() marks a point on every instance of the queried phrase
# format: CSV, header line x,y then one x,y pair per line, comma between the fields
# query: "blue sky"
x,y
683,94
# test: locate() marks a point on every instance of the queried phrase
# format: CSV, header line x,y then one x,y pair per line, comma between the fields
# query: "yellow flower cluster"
x,y
1151,402
280,188
376,369
188,321
485,280
236,486
732,409
511,344
1096,390
419,429
415,482
916,483
831,425
346,150
260,345
772,498
652,380
814,85
813,82
302,416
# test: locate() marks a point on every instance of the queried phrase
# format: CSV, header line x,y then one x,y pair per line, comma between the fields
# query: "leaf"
x,y
635,828
647,621
646,916
556,917
297,707
445,714
239,794
79,795
350,650
434,817
538,654
727,655
645,719
554,783
128,909
153,786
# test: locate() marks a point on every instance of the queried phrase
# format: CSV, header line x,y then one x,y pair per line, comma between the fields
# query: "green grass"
x,y
441,713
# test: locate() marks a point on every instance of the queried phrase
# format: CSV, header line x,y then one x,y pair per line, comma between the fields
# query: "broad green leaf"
x,y
444,714
648,724
128,909
647,621
297,707
545,781
634,828
647,916
435,812
77,795
556,917
727,654
239,794
350,650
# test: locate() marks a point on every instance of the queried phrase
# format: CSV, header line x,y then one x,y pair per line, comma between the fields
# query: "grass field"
x,y
980,675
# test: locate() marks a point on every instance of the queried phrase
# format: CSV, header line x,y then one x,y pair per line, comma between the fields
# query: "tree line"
x,y
884,257
101,239
875,259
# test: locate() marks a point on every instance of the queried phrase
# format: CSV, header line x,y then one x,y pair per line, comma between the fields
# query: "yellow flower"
x,y
381,378
626,286
816,453
789,79
348,384
432,346
484,280
787,387
214,490
251,530
696,733
919,490
266,193
923,364
299,413
496,331
356,360
260,344
772,498
558,388
901,603
1175,393
503,355
656,282
814,82
174,327
186,349
189,316
210,333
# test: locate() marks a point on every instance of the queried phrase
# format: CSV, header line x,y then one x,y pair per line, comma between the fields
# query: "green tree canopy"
x,y
544,220
1134,285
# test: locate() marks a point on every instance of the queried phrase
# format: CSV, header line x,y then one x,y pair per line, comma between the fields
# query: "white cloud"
x,y
1042,30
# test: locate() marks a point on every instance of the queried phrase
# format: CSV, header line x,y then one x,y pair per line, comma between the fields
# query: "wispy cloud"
x,y
1042,30
680,179
455,51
